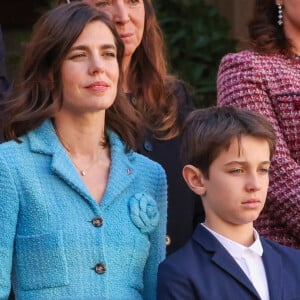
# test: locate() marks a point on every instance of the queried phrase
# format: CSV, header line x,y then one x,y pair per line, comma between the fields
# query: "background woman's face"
x,y
129,18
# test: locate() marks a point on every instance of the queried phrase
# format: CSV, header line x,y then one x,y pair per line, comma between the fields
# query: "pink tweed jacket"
x,y
270,85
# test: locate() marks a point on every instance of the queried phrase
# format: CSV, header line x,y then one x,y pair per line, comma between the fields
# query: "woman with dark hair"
x,y
82,215
266,79
161,101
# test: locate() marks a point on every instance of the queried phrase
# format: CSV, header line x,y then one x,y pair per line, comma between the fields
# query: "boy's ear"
x,y
194,179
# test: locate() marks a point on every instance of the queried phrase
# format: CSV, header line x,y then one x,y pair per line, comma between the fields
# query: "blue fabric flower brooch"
x,y
143,212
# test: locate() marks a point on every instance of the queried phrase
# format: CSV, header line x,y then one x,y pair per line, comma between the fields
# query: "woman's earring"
x,y
280,21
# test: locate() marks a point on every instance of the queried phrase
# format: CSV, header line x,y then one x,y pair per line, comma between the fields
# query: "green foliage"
x,y
197,37
15,41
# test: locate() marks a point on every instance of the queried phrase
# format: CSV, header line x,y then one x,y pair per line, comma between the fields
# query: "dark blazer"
x,y
203,269
184,207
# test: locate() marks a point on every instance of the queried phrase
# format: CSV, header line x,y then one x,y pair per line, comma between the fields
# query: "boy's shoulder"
x,y
194,251
203,244
281,249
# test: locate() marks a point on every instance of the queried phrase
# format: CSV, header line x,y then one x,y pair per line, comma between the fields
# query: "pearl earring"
x,y
280,17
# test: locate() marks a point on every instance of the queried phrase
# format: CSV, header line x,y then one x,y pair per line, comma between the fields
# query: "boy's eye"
x,y
236,171
264,170
101,4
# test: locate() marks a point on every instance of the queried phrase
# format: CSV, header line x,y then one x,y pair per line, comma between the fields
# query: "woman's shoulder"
x,y
138,160
182,94
13,148
237,56
238,59
14,157
250,58
146,163
248,65
181,90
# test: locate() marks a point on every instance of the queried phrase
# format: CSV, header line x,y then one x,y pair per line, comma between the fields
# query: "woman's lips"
x,y
98,86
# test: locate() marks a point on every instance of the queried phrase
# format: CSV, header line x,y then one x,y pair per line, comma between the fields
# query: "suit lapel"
x,y
273,266
43,140
122,171
63,167
221,258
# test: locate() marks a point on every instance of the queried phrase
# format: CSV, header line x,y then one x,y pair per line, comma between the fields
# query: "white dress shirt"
x,y
249,259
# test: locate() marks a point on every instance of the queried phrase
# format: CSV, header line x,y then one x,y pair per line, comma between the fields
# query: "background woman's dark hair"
x,y
149,83
38,96
266,36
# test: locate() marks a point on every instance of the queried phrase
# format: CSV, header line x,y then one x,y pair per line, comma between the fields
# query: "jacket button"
x,y
148,146
168,240
100,268
97,222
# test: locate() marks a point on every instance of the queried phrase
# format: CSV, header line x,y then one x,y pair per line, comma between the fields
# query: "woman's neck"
x,y
80,137
293,35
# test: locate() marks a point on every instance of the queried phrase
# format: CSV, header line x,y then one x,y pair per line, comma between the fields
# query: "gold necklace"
x,y
82,172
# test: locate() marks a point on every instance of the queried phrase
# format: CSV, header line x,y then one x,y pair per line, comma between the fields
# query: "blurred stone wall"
x,y
238,13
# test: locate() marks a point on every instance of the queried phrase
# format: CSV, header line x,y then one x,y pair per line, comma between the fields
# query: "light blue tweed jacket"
x,y
50,247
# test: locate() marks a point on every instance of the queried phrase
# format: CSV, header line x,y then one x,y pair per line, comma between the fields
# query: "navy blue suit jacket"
x,y
203,269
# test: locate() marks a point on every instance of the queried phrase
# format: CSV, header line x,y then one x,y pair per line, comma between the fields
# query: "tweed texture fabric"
x,y
270,85
57,242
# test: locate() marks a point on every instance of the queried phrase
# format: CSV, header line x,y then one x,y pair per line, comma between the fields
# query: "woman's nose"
x,y
121,13
96,64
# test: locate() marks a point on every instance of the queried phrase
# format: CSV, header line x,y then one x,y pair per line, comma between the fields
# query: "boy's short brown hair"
x,y
209,131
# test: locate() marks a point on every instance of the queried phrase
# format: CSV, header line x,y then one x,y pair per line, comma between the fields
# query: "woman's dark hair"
x,y
149,82
38,96
266,36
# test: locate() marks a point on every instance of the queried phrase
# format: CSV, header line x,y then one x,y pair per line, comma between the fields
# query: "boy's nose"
x,y
253,183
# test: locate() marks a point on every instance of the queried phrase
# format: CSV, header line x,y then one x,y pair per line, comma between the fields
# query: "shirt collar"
x,y
235,249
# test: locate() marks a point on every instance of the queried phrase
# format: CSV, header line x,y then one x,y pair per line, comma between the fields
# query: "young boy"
x,y
227,153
